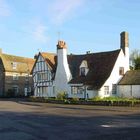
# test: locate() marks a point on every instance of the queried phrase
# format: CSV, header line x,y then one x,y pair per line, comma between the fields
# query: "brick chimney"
x,y
63,75
124,41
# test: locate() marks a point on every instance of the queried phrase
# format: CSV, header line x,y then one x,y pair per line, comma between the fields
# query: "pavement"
x,y
23,120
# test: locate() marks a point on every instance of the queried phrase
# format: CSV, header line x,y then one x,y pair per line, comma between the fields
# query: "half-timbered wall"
x,y
42,76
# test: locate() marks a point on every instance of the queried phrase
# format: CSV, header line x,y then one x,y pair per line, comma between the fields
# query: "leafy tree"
x,y
135,59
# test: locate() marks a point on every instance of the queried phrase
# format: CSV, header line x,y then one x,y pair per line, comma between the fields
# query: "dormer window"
x,y
14,65
83,68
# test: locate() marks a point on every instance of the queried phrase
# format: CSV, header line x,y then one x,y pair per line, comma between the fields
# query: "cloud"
x,y
62,10
4,8
39,33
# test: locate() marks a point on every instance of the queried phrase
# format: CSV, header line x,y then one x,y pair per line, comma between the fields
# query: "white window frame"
x,y
106,90
14,65
42,76
121,70
114,89
27,77
77,90
15,77
15,89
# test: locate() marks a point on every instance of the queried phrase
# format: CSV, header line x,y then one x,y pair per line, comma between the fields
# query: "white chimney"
x,y
63,74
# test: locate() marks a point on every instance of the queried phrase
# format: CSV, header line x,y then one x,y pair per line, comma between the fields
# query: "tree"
x,y
137,63
135,59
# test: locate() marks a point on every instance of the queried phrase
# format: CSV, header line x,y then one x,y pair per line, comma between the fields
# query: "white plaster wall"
x,y
129,91
92,93
114,78
63,75
76,95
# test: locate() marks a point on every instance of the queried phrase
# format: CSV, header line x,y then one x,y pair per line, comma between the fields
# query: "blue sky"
x,y
29,26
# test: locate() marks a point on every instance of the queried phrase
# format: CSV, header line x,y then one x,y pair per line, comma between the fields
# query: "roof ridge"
x,y
16,56
94,53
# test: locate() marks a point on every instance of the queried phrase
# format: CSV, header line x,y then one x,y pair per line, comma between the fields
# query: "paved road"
x,y
22,120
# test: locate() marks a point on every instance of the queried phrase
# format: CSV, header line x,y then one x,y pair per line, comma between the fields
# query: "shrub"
x,y
75,99
96,98
62,95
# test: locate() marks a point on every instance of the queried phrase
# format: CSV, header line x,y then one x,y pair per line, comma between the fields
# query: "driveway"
x,y
22,120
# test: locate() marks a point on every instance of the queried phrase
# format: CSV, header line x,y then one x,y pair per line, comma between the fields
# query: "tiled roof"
x,y
50,59
131,78
100,66
23,64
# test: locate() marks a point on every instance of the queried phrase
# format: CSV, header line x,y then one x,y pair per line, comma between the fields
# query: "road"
x,y
23,120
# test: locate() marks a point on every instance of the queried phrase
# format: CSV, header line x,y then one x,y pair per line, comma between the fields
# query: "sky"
x,y
30,26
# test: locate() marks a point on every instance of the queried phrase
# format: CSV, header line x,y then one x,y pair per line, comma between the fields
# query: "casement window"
x,y
42,76
53,89
26,77
15,89
106,90
121,70
14,65
114,88
77,90
15,77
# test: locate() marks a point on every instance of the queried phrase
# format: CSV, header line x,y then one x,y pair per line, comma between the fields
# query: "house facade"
x,y
15,75
129,85
83,76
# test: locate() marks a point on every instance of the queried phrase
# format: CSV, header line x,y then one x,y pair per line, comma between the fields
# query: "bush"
x,y
96,98
62,96
75,99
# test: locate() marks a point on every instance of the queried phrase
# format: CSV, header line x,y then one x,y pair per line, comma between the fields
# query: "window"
x,y
74,90
53,89
83,68
42,76
82,71
26,77
106,90
77,90
114,88
14,65
15,76
121,71
15,89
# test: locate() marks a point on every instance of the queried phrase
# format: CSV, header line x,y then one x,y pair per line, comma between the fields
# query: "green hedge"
x,y
103,102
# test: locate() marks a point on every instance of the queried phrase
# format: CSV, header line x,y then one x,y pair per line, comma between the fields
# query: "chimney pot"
x,y
61,45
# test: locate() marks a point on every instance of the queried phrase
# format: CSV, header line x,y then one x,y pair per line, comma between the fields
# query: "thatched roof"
x,y
22,64
131,78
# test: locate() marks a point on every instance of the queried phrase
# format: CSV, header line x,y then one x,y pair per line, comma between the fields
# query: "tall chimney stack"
x,y
124,41
63,74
